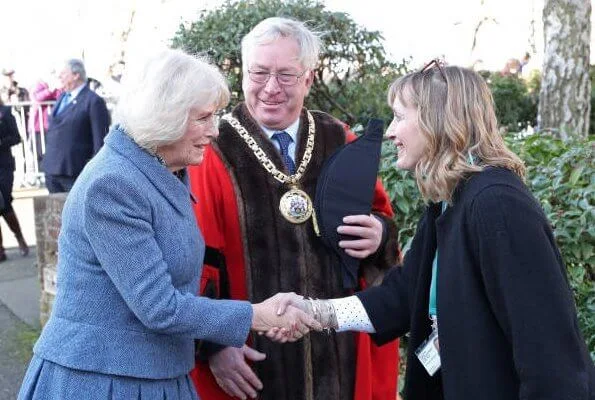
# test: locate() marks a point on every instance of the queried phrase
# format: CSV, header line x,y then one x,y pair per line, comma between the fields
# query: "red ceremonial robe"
x,y
222,213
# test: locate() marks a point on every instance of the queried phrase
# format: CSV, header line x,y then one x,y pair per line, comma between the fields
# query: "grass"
x,y
22,340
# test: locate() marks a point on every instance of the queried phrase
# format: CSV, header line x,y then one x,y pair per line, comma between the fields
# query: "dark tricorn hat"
x,y
346,187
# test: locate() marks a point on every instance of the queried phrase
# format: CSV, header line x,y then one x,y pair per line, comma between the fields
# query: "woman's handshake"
x,y
287,317
281,321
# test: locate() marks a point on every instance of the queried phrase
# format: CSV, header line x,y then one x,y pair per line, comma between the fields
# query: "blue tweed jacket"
x,y
130,258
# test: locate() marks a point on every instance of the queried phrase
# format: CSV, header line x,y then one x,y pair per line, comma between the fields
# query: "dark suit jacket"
x,y
506,316
76,134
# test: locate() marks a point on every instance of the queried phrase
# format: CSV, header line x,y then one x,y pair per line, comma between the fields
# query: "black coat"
x,y
76,134
506,315
9,136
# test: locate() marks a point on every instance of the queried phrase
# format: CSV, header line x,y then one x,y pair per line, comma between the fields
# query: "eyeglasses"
x,y
434,63
283,78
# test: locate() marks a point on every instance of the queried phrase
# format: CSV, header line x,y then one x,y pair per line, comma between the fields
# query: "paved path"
x,y
12,364
19,302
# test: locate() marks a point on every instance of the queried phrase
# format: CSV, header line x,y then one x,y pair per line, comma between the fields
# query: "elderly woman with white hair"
x,y
130,254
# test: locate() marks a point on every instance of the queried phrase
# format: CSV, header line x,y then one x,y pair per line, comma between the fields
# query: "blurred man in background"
x,y
78,124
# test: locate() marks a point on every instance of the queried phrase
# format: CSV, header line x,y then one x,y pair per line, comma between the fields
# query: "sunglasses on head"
x,y
434,63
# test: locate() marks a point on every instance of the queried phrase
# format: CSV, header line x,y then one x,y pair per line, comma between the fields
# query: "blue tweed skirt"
x,y
47,380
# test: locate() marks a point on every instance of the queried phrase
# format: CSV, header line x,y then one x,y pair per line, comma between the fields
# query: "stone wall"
x,y
48,219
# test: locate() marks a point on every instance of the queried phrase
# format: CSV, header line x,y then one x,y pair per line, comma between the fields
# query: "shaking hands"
x,y
283,318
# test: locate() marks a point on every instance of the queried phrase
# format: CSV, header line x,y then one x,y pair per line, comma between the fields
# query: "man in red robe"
x,y
271,150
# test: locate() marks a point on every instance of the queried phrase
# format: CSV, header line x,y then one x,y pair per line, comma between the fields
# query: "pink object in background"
x,y
39,93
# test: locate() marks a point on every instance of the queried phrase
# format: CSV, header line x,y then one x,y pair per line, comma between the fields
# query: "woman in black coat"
x,y
9,136
483,291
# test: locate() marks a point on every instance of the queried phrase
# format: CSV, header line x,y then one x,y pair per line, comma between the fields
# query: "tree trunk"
x,y
565,97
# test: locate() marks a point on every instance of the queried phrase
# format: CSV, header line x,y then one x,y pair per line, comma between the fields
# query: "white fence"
x,y
28,153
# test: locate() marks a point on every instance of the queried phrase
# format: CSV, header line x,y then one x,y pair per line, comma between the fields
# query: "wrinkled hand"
x,y
290,325
369,231
232,372
285,301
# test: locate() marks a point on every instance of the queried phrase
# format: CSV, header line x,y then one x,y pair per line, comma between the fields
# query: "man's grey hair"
x,y
271,29
76,66
157,97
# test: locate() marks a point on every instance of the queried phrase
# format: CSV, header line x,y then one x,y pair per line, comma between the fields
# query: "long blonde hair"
x,y
457,119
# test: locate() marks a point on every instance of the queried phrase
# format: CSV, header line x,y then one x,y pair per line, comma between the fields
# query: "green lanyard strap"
x,y
432,309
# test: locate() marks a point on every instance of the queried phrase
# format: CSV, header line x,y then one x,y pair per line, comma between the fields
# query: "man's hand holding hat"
x,y
368,231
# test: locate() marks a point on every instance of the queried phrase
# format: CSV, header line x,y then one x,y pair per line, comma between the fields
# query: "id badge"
x,y
428,353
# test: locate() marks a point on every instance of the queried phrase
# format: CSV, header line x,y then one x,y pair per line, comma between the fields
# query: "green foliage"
x,y
19,341
25,340
364,97
402,190
353,73
583,285
562,176
592,115
534,84
517,99
516,106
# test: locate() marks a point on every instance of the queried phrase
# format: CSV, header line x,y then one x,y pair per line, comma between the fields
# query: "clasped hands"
x,y
284,317
287,317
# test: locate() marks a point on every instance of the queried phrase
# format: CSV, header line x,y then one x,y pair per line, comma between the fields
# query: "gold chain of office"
x,y
295,205
265,161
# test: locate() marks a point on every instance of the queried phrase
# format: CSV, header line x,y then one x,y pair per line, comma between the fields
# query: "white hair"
x,y
271,29
157,97
76,66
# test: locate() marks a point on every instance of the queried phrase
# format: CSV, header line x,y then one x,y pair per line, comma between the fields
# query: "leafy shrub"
x,y
592,115
562,176
517,99
402,189
516,106
366,95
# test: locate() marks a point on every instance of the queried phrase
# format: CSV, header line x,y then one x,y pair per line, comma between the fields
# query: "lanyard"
x,y
432,309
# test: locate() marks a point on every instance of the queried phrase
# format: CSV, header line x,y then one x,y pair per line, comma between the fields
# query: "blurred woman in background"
x,y
9,136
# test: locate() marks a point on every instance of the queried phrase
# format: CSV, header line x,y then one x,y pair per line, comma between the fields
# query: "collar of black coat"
x,y
174,189
468,188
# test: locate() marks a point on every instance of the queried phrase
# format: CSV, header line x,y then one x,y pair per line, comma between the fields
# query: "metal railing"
x,y
28,153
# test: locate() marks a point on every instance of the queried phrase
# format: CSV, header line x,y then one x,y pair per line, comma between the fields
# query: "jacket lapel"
x,y
70,106
57,105
176,191
80,97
